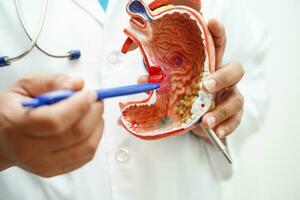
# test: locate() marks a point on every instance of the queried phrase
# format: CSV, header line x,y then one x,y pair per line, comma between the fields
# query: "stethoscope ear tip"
x,y
74,54
4,61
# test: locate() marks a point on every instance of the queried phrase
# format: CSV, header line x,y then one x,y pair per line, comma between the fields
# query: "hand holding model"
x,y
227,115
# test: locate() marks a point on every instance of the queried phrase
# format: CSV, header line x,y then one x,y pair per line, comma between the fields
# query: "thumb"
x,y
36,84
218,33
143,79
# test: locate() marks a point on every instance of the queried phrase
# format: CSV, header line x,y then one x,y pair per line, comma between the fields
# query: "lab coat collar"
x,y
111,8
93,8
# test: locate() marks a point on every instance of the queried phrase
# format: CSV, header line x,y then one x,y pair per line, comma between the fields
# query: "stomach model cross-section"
x,y
178,53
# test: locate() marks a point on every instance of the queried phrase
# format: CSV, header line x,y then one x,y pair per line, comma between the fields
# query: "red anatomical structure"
x,y
178,53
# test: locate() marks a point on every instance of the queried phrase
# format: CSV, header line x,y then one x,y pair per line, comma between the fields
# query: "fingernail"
x,y
210,85
74,83
91,97
69,83
221,133
211,121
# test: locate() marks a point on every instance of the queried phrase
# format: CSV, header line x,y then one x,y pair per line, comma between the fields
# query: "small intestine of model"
x,y
173,47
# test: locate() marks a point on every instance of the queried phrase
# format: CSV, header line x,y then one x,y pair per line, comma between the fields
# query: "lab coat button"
x,y
122,155
113,58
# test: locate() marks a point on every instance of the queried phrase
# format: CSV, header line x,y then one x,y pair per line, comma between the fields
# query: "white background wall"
x,y
269,165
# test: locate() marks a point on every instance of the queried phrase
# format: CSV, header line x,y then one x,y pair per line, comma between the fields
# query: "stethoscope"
x,y
6,61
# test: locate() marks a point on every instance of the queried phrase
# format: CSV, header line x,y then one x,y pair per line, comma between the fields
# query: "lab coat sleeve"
x,y
247,44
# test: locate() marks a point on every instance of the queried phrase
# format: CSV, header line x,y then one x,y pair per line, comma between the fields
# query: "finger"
x,y
75,165
4,164
219,36
143,79
81,150
55,119
64,169
231,105
224,77
36,84
228,126
199,131
84,128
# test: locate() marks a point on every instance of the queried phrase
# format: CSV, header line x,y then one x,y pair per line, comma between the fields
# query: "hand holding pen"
x,y
50,140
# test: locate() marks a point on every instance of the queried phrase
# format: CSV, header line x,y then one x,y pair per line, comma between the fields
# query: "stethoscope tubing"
x,y
39,30
26,29
6,61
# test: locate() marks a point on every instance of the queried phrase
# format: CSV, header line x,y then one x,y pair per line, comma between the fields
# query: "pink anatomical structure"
x,y
178,53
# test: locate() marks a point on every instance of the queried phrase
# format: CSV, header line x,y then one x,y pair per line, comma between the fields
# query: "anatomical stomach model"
x,y
178,53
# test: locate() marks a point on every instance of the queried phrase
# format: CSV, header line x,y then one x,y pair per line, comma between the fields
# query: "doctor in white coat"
x,y
123,167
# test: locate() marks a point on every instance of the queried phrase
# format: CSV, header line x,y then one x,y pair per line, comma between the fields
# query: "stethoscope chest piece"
x,y
4,61
74,55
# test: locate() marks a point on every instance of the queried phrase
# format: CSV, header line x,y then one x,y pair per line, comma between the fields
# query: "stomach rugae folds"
x,y
178,53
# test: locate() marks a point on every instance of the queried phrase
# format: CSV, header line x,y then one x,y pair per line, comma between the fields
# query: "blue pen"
x,y
56,96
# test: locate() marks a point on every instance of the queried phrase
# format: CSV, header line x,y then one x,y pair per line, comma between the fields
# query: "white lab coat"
x,y
125,168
